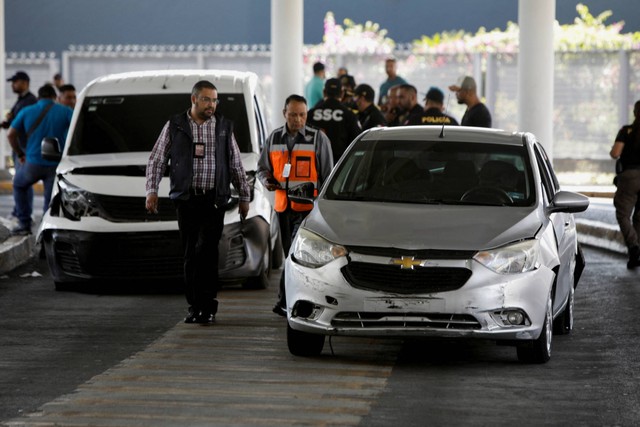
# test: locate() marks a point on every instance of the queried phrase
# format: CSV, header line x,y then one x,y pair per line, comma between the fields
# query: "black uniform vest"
x,y
181,157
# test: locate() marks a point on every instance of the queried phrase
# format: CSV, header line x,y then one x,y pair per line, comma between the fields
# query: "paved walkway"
x,y
237,372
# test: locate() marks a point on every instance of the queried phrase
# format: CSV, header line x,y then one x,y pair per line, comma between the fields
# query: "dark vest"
x,y
181,157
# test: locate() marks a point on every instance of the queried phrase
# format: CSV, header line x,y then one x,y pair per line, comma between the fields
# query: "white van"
x,y
97,226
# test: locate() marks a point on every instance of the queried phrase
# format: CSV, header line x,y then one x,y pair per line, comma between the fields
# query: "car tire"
x,y
563,325
303,343
539,350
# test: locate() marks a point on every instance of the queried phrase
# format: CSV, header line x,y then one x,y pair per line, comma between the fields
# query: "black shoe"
x,y
21,230
192,316
206,318
280,310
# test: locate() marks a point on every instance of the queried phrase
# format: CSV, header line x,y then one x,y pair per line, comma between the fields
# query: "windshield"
x,y
122,124
440,172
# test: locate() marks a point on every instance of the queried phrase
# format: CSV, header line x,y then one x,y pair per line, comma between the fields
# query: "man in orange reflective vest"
x,y
295,155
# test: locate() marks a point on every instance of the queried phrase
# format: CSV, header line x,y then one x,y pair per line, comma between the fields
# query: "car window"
x,y
122,124
445,172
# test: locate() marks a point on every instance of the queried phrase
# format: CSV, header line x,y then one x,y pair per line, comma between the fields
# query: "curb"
x,y
14,250
601,235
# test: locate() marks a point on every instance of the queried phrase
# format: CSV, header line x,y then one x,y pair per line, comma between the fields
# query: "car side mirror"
x,y
50,149
303,193
568,201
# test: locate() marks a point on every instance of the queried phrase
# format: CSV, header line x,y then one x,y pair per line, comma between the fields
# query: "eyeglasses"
x,y
207,100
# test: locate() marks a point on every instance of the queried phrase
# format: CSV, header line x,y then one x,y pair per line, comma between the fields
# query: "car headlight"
x,y
512,259
313,251
76,202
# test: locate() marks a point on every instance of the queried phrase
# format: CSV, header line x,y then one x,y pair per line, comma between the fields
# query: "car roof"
x,y
450,133
169,81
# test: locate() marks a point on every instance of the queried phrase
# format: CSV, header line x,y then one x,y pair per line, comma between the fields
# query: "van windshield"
x,y
123,124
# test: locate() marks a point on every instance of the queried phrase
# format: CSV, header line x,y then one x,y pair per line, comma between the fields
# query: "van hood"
x,y
411,226
115,160
119,174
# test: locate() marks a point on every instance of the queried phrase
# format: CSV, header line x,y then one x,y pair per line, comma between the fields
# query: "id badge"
x,y
286,170
198,150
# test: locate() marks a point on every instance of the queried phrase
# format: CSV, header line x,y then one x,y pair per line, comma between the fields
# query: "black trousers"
x,y
290,221
200,223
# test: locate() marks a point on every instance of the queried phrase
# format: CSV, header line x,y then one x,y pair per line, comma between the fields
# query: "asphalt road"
x,y
72,352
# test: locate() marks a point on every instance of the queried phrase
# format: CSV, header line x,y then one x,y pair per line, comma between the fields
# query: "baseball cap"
x,y
19,75
464,83
333,87
434,94
365,91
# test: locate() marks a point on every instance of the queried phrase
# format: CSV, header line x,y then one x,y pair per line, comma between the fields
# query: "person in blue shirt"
x,y
54,120
393,79
315,86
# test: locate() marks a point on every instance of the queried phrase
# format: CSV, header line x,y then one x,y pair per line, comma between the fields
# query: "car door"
x,y
563,226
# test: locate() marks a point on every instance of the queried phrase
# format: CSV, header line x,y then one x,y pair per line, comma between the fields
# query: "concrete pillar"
x,y
286,54
535,69
491,87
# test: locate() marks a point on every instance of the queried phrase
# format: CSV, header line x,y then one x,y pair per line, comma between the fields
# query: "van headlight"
x,y
76,202
511,259
313,251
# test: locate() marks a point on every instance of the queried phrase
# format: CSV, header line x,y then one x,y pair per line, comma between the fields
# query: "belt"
x,y
200,191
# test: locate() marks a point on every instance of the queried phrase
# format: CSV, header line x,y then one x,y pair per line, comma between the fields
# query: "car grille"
x,y
418,253
391,278
131,209
120,209
366,320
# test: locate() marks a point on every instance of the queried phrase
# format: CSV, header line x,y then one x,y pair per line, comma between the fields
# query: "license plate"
x,y
432,305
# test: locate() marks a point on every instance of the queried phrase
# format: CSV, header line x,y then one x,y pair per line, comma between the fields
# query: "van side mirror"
x,y
50,149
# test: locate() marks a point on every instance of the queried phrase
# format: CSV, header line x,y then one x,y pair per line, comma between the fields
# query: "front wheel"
x,y
563,325
539,350
303,343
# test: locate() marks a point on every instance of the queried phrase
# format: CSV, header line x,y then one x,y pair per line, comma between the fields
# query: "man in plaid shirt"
x,y
205,160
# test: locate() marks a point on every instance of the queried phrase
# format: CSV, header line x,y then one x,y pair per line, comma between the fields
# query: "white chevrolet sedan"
x,y
431,232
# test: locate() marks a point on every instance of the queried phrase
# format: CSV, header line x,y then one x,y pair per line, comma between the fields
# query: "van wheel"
x,y
62,286
303,343
261,281
277,256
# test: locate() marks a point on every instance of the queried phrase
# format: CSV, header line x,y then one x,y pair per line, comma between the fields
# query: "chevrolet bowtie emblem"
x,y
406,262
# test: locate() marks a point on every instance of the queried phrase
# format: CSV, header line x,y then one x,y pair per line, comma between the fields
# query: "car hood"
x,y
412,226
